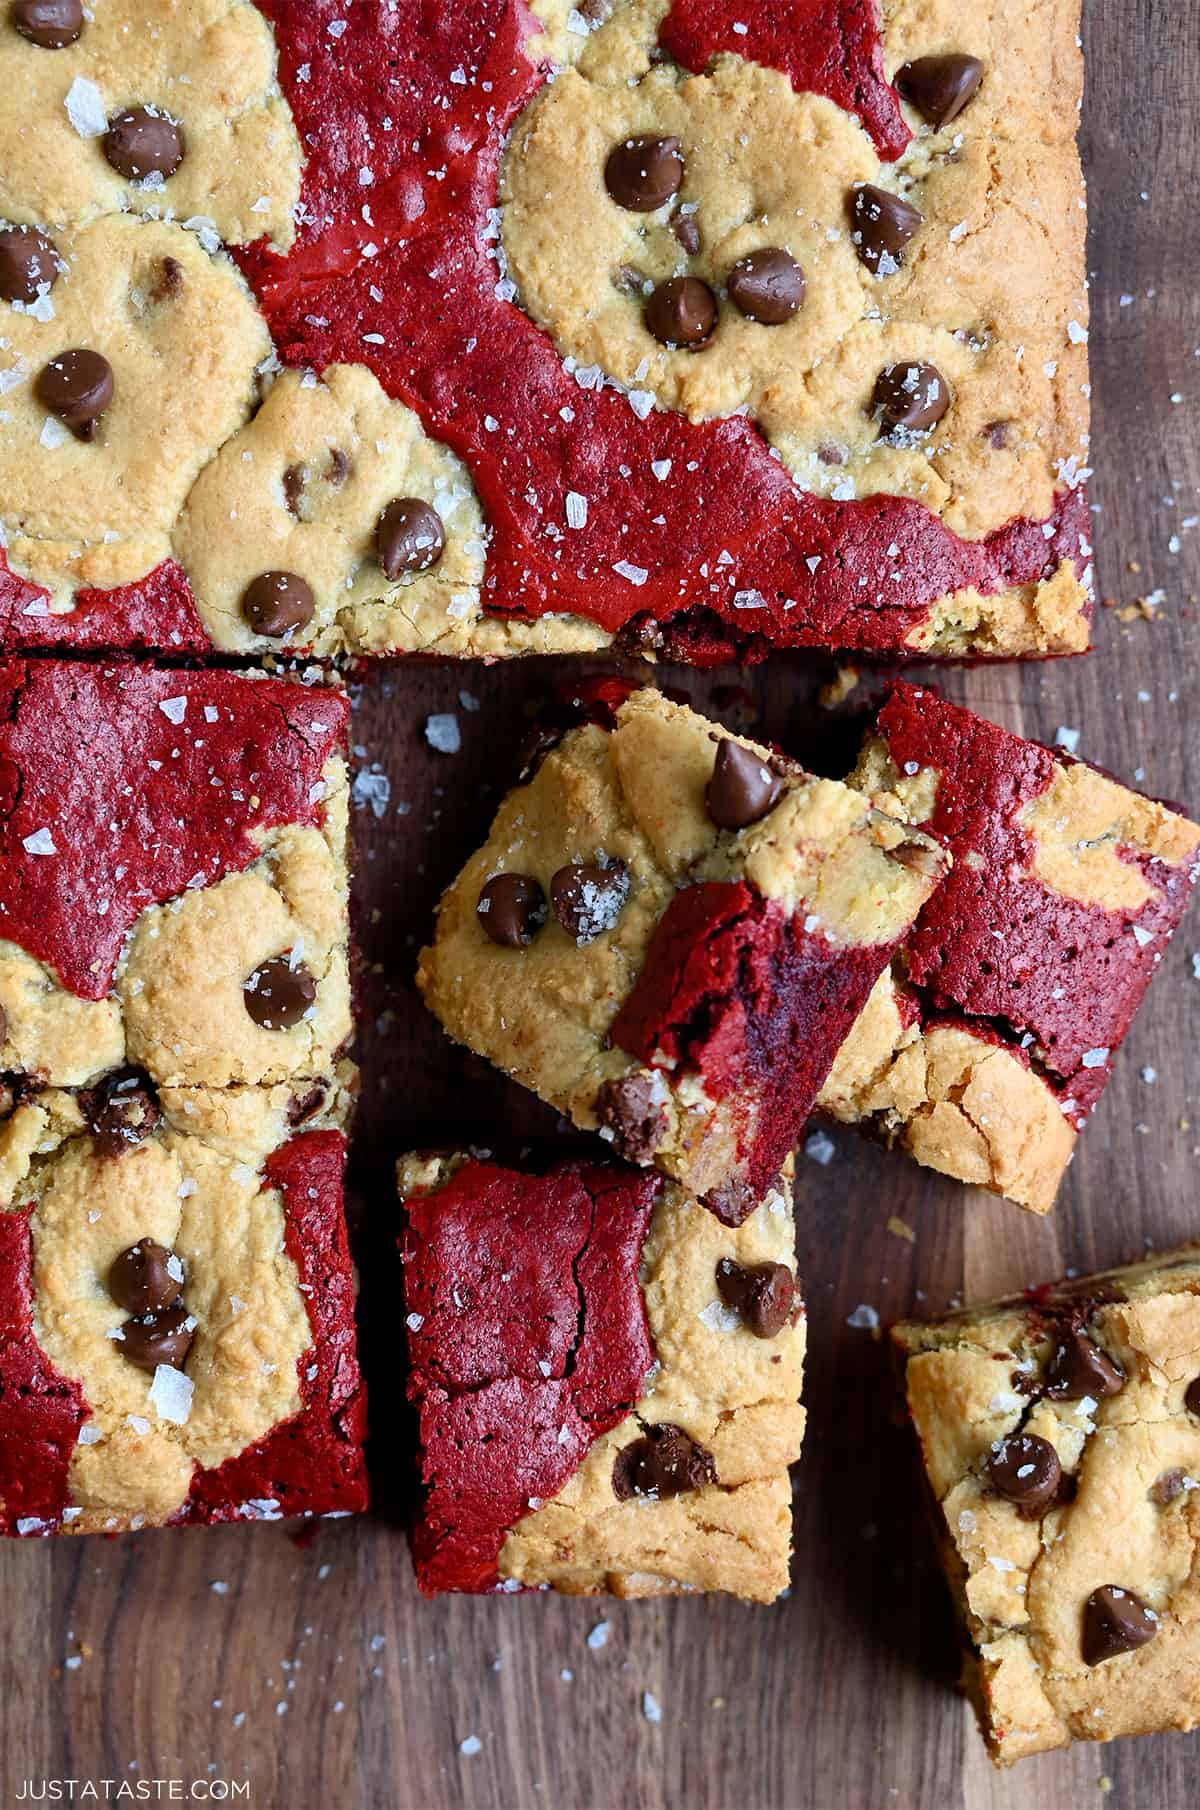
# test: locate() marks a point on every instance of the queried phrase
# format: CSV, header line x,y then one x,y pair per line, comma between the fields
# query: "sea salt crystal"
x,y
336,27
40,843
598,1636
85,109
1094,1058
171,1394
442,732
651,1708
89,1435
1066,738
635,574
661,468
414,1322
174,709
53,434
577,509
471,1746
719,1318
864,1318
820,1148
373,789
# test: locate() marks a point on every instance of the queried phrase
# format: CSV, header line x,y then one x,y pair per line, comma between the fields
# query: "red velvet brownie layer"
x,y
403,119
1026,967
606,1381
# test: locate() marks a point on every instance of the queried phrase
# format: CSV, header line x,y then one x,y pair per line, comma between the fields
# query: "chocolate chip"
x,y
512,909
1080,1368
633,1109
77,386
50,24
762,1293
1115,1621
665,1462
940,87
121,1111
277,995
170,280
996,433
140,1280
629,280
409,536
742,788
1191,1397
588,898
1166,1487
1026,1470
142,141
293,488
920,858
157,1338
732,1200
641,173
28,264
687,232
339,467
767,285
275,603
881,225
306,1105
909,398
681,312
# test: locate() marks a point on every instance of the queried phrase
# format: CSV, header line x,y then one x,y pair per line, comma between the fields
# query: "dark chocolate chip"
x,y
121,1110
143,141
881,225
1115,1621
767,285
687,232
157,1338
77,386
306,1105
909,397
732,1200
588,898
50,24
170,283
1191,1397
665,1462
1080,1368
139,1280
920,858
742,788
512,909
277,995
633,1109
28,264
641,173
339,467
996,433
629,280
275,603
762,1293
940,87
293,488
1166,1487
1026,1470
681,312
410,536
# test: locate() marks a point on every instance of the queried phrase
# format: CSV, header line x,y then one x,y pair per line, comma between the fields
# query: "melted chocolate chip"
x,y
767,285
588,898
293,488
140,1280
28,264
762,1293
277,995
629,280
157,1338
1191,1397
881,225
731,1200
1080,1368
923,858
909,397
306,1105
633,1109
77,386
170,283
687,233
512,909
50,24
681,312
410,536
641,173
276,603
665,1462
1026,1470
339,467
1166,1487
1115,1621
996,433
142,141
742,788
121,1111
940,87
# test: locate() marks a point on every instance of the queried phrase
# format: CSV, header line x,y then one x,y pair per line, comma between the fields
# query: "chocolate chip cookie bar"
x,y
607,1381
984,1050
542,345
668,935
176,1316
173,898
1061,1442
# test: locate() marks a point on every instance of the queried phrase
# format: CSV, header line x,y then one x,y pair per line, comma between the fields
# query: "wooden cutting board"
x,y
314,1673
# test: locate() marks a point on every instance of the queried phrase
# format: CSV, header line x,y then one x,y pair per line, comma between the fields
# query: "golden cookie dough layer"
x,y
543,1013
194,1186
177,1008
183,337
1134,1521
209,64
991,289
736,1395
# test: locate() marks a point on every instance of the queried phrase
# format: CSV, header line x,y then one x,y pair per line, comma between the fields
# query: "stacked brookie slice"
x,y
358,335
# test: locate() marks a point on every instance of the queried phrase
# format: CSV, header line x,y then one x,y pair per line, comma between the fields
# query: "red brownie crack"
x,y
529,1341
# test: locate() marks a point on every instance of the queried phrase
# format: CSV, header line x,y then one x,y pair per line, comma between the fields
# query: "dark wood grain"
x,y
314,1671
